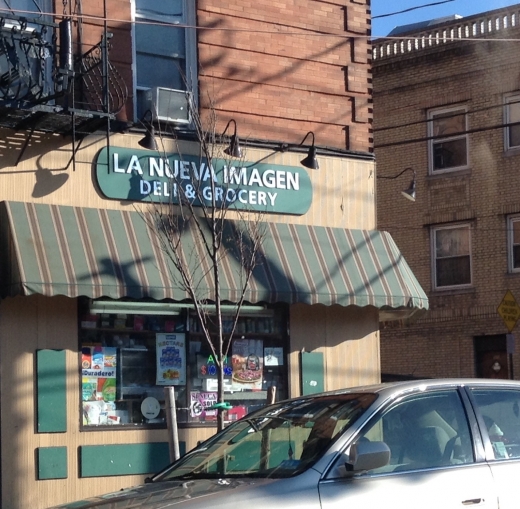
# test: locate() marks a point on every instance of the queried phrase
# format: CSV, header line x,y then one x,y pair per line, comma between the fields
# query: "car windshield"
x,y
281,440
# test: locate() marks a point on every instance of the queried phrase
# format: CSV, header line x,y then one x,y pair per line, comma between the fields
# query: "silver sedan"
x,y
430,444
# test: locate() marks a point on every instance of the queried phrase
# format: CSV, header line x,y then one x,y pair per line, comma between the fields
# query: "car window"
x,y
425,431
279,441
500,409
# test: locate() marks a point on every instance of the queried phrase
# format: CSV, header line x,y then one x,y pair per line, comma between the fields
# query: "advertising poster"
x,y
99,366
273,356
199,404
171,359
247,360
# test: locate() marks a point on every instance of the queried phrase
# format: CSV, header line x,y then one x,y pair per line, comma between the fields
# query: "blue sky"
x,y
382,26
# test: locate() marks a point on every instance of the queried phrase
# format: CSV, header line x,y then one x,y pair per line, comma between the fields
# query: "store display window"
x,y
131,352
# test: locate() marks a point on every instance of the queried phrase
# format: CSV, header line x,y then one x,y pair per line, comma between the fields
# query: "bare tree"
x,y
201,228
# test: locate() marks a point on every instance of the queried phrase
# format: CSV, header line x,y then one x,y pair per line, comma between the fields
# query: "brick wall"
x,y
475,74
284,68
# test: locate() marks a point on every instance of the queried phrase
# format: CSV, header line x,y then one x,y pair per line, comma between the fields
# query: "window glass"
x,y
278,442
161,42
452,256
514,243
449,148
513,116
255,362
426,431
500,409
128,359
154,9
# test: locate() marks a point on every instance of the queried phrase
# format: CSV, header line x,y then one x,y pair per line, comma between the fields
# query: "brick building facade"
x,y
445,105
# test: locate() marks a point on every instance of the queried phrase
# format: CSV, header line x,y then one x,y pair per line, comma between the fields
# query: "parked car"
x,y
429,444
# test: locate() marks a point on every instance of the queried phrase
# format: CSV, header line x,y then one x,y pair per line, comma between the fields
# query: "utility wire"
x,y
411,9
301,32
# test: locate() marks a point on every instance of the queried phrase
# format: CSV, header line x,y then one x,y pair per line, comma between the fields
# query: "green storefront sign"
x,y
144,175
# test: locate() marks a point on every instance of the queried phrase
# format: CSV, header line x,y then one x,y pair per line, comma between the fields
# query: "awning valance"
x,y
73,251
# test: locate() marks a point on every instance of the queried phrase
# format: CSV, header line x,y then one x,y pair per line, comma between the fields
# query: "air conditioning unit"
x,y
168,105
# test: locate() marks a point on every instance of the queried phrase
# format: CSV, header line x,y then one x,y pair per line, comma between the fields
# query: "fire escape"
x,y
46,86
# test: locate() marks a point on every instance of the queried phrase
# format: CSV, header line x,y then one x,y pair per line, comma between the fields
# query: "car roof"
x,y
393,389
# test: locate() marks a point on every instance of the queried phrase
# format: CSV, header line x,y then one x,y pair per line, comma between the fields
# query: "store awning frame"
x,y
74,251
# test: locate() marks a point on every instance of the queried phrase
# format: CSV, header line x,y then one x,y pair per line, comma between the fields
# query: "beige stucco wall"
x,y
343,189
348,337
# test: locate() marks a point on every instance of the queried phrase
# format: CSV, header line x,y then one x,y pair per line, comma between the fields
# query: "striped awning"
x,y
61,250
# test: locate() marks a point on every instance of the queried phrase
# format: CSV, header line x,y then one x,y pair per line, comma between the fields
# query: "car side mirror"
x,y
367,455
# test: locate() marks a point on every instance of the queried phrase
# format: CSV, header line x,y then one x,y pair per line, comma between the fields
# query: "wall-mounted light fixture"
x,y
310,161
149,142
407,193
234,149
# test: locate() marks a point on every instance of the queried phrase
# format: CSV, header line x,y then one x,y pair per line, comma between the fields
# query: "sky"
x,y
432,9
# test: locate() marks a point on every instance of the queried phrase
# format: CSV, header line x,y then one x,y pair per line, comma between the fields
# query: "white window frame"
x,y
510,243
434,231
189,17
508,99
432,142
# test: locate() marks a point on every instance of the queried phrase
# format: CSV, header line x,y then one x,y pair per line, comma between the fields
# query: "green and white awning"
x,y
61,250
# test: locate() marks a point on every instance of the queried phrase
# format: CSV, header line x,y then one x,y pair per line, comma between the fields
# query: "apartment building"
x,y
446,107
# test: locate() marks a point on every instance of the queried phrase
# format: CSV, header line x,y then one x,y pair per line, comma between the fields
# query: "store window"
x,y
512,121
165,49
513,243
448,140
131,352
452,256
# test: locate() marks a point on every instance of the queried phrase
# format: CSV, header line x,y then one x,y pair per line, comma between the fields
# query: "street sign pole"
x,y
509,310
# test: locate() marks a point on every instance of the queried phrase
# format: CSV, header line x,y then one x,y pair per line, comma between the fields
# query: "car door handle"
x,y
473,501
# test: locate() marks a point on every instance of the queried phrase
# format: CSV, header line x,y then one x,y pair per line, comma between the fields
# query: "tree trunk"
x,y
220,398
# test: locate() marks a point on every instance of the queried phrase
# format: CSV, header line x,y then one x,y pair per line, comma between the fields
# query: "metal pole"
x,y
171,420
271,394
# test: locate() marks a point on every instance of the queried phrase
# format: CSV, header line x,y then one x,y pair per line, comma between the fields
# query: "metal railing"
x,y
38,67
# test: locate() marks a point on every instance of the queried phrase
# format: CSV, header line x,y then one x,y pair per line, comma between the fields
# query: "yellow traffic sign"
x,y
509,310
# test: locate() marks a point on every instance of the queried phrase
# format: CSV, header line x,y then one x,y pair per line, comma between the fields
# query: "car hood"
x,y
166,494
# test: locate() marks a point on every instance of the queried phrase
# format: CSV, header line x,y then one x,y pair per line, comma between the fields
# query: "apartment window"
x,y
513,240
449,141
512,116
165,50
452,256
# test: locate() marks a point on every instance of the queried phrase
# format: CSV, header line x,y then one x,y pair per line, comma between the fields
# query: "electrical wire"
x,y
411,9
300,32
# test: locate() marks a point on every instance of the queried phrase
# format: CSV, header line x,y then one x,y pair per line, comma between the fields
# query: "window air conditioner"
x,y
168,105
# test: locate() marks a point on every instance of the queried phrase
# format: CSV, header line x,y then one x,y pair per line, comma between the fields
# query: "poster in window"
x,y
200,403
248,364
273,356
171,359
99,366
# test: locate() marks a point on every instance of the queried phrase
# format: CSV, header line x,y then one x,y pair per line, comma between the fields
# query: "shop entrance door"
x,y
491,357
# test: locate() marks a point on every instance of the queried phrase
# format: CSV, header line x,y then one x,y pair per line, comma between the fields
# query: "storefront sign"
x,y
171,359
144,175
